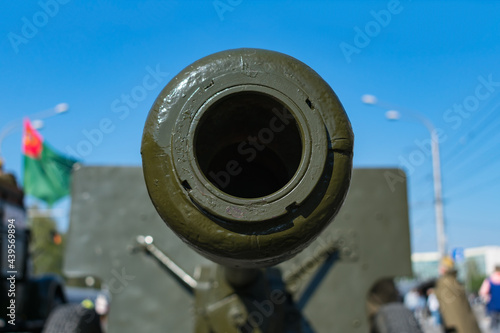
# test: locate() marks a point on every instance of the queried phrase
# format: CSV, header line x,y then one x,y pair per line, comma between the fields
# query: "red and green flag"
x,y
47,174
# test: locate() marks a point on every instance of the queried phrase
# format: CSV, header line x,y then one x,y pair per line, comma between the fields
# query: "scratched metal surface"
x,y
167,148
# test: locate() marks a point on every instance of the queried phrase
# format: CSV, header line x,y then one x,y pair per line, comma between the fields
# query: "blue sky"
x,y
437,57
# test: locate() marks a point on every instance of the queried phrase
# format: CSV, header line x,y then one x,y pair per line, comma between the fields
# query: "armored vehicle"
x,y
247,158
26,300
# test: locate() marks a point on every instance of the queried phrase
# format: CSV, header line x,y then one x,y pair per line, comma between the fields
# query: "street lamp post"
x,y
436,167
37,122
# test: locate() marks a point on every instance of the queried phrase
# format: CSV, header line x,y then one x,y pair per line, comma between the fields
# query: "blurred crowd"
x,y
445,306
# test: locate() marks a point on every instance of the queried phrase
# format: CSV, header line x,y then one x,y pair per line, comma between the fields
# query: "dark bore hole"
x,y
248,145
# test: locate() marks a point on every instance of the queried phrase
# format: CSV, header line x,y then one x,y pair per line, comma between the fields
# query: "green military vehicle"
x,y
247,158
26,300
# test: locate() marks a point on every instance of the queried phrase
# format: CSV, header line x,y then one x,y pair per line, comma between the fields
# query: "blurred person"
x,y
456,313
433,305
490,293
412,300
102,309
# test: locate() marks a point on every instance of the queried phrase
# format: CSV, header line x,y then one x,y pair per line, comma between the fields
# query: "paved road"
x,y
429,327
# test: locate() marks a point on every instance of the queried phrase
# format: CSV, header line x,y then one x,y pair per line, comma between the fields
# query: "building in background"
x,y
473,265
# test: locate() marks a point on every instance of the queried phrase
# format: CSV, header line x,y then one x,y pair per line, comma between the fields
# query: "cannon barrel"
x,y
247,156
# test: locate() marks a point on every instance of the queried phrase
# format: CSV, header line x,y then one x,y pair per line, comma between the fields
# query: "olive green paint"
x,y
254,232
110,208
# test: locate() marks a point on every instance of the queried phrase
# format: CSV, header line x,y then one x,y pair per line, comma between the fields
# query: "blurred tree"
x,y
47,248
47,244
474,278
